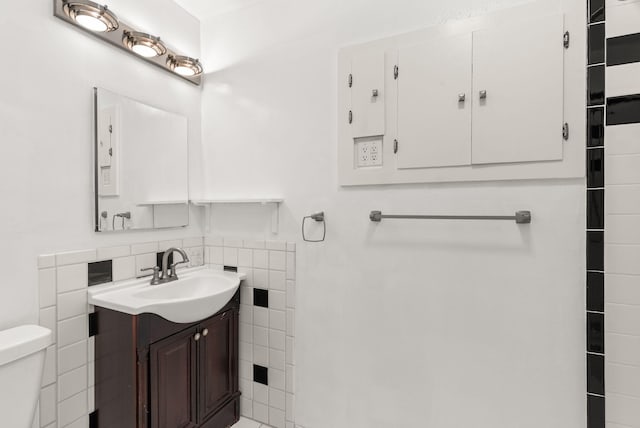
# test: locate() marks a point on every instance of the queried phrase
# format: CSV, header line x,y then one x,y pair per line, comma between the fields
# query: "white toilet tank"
x,y
22,354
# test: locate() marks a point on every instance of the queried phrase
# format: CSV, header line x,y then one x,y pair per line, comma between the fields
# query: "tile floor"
x,y
248,423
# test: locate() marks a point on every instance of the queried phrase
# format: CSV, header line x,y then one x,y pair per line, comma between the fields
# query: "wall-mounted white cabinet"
x,y
479,100
366,82
434,108
518,69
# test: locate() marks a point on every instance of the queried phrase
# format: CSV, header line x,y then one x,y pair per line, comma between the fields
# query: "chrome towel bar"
x,y
520,217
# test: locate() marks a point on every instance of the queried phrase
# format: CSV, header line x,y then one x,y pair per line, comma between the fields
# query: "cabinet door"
x,y
173,381
434,105
217,356
520,69
367,73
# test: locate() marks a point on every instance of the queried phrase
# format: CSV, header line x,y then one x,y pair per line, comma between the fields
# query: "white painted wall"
x,y
46,116
401,324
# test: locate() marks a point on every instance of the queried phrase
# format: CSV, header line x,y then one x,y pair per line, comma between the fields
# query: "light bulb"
x,y
91,23
184,71
144,51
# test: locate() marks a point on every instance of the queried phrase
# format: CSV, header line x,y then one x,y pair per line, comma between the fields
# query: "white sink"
x,y
196,295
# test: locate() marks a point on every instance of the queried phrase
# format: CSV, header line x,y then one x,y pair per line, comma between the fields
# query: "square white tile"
x,y
277,280
124,268
261,259
277,260
72,408
72,304
72,383
72,277
72,357
72,330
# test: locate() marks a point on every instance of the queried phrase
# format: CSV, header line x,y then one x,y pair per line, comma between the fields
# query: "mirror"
x,y
141,165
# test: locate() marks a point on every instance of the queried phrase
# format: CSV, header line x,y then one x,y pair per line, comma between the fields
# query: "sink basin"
x,y
196,295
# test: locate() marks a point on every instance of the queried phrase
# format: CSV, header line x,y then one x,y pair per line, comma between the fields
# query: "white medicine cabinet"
x,y
487,100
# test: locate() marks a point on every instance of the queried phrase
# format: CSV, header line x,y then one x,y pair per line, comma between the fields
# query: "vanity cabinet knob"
x,y
205,332
196,337
483,94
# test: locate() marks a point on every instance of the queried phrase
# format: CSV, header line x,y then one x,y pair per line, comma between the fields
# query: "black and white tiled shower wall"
x,y
613,214
267,324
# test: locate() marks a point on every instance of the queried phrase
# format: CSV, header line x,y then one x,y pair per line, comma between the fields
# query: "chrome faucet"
x,y
169,273
172,275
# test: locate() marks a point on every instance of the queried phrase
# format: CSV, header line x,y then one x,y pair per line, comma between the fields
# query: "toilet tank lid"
x,y
19,342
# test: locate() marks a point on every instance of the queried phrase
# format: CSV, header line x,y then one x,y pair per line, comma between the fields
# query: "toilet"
x,y
22,355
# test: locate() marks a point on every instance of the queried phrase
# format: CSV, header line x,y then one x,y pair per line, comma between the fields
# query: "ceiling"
x,y
204,9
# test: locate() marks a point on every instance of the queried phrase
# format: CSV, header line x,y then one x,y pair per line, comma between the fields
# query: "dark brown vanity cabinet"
x,y
152,373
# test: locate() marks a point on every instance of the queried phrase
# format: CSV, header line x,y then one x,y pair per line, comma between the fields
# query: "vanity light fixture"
x,y
184,66
90,15
100,21
144,44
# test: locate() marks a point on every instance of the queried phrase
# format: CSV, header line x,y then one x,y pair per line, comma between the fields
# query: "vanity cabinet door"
x,y
217,356
173,381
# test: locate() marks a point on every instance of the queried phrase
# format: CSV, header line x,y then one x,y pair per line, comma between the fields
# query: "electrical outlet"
x,y
375,153
368,153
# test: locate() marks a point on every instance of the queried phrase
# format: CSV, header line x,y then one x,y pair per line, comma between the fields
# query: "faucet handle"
x,y
172,272
156,274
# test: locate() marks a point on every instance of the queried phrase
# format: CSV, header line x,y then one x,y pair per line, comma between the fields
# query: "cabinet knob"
x,y
374,93
196,337
205,332
483,95
462,98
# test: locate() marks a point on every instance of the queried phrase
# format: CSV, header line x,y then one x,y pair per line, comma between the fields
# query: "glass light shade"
x,y
144,44
184,71
144,51
91,15
184,66
91,23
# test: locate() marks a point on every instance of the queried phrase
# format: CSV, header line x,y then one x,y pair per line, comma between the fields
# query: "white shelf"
x,y
275,202
238,201
150,203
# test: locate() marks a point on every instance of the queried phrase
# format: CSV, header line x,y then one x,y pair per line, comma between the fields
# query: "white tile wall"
x,y
67,394
622,236
266,335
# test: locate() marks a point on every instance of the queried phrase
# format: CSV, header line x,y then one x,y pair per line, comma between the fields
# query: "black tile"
x,y
595,127
595,168
595,291
231,268
93,324
595,209
595,251
260,374
596,44
595,333
623,49
595,85
260,297
595,374
93,419
596,10
623,110
100,272
595,412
